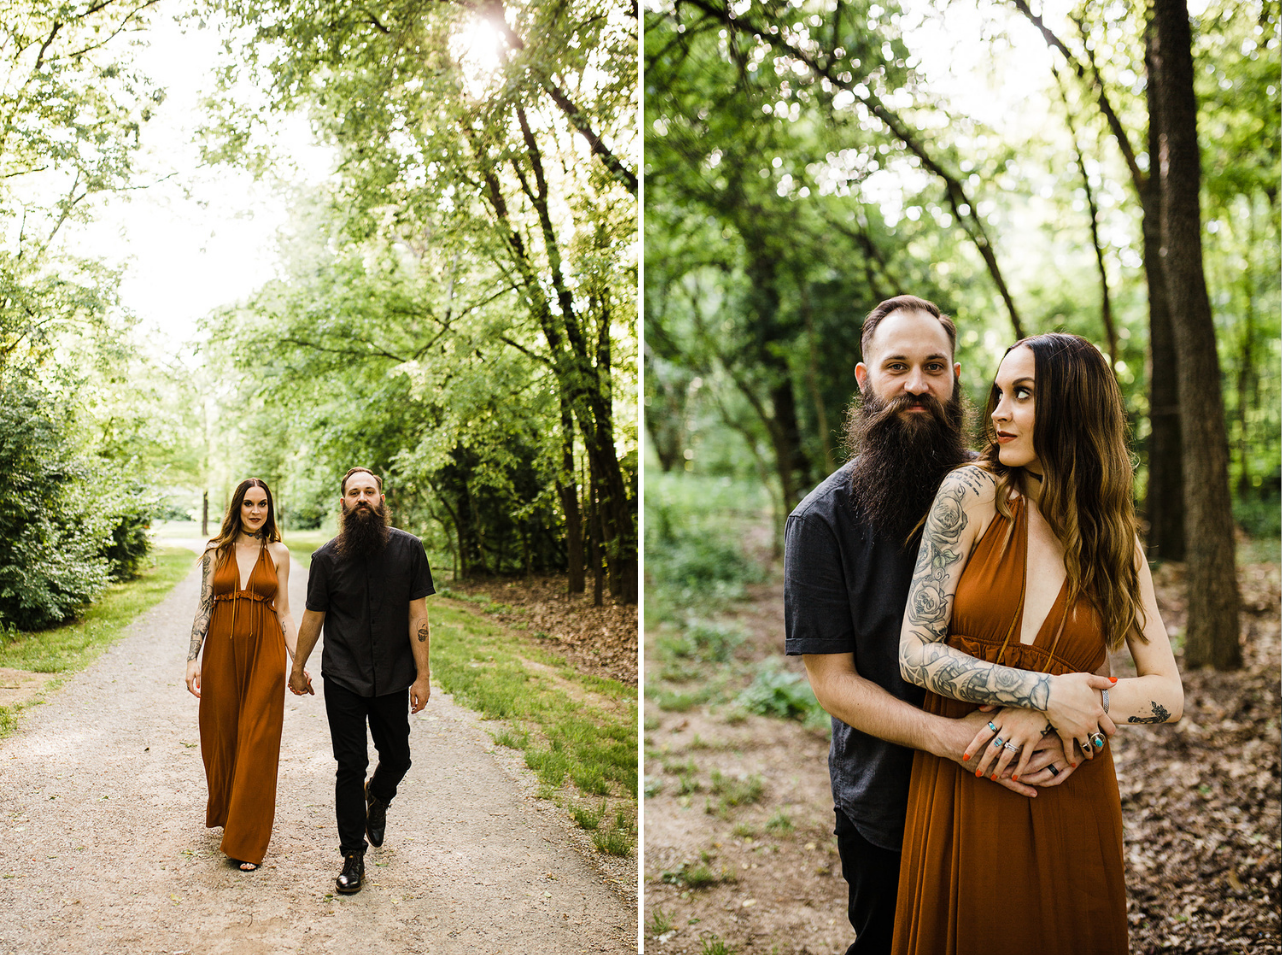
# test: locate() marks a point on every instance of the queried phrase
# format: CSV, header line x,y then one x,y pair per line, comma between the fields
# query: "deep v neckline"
x,y
253,567
1021,528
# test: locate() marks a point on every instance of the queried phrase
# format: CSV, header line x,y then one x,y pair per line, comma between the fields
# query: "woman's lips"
x,y
1004,438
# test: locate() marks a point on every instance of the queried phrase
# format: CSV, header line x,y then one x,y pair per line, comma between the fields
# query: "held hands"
x,y
420,693
300,682
193,677
1023,746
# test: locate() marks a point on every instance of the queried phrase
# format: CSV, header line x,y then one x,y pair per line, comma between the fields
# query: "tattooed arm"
x,y
420,639
200,626
962,508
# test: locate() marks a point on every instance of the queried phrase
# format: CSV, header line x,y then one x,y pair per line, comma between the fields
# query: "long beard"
x,y
902,457
363,532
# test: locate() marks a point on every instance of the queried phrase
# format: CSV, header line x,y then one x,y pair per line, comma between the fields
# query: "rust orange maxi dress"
x,y
242,708
986,871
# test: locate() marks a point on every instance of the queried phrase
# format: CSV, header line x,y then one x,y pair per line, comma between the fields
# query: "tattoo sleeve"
x,y
200,627
924,657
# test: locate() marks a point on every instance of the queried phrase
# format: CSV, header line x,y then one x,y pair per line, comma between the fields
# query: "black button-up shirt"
x,y
844,592
366,605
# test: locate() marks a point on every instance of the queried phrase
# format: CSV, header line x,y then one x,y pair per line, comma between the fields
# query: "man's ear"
x,y
861,373
957,371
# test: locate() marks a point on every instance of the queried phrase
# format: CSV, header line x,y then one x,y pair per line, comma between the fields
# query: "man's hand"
x,y
420,692
300,682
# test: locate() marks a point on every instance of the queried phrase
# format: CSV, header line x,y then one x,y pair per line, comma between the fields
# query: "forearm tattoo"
x,y
1160,714
924,656
200,626
423,634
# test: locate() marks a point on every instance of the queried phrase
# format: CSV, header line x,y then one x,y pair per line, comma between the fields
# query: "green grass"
x,y
698,876
74,646
715,945
732,791
566,736
660,922
613,842
301,544
779,822
585,817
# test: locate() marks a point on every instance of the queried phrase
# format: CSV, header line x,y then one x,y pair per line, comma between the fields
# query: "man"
x,y
851,546
367,587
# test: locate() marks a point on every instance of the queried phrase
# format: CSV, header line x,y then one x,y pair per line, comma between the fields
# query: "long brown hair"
x,y
1079,436
227,534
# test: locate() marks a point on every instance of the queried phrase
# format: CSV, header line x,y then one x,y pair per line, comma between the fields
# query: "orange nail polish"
x,y
979,772
994,777
1016,778
965,756
1113,678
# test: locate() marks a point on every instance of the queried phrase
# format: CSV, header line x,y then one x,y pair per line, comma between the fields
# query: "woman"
x,y
1029,573
244,612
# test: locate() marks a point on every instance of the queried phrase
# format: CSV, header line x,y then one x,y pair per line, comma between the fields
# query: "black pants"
x,y
389,725
873,876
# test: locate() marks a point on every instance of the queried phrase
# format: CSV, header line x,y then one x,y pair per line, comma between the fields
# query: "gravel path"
x,y
103,846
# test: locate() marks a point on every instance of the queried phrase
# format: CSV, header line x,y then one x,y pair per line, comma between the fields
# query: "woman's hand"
x,y
1076,709
1017,734
193,677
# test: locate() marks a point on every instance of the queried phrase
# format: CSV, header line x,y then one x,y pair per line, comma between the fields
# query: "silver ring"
x,y
1010,746
1097,740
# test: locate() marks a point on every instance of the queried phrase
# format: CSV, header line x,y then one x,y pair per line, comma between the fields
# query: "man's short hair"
x,y
911,303
358,470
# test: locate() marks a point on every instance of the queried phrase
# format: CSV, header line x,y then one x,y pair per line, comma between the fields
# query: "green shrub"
x,y
1259,517
782,694
69,523
702,640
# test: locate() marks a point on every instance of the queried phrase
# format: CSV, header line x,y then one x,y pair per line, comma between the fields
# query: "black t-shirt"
x,y
367,613
844,592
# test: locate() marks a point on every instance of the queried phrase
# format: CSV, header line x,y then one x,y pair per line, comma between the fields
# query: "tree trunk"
x,y
1164,497
568,491
1212,635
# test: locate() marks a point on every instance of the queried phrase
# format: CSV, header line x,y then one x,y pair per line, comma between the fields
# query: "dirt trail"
x,y
103,846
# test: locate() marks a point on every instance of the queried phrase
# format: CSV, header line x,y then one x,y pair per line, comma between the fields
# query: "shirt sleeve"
x,y
318,585
421,573
816,600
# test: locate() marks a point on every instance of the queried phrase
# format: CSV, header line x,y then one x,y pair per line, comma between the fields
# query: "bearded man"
x,y
850,551
367,588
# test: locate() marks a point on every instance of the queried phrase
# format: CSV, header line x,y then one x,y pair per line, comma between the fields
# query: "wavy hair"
x,y
1080,438
222,542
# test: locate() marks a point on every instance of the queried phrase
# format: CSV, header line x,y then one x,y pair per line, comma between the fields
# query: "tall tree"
x,y
1212,633
514,176
1164,493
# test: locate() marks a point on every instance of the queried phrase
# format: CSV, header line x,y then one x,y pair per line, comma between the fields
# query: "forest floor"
x,y
740,856
104,849
598,640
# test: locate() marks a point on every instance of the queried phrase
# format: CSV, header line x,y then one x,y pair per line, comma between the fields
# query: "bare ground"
x,y
103,846
1200,804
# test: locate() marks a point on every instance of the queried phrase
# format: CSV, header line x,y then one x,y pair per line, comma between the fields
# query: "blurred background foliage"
x,y
805,160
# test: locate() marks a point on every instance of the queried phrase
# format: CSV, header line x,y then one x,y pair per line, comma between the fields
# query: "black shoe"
x,y
375,818
353,874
